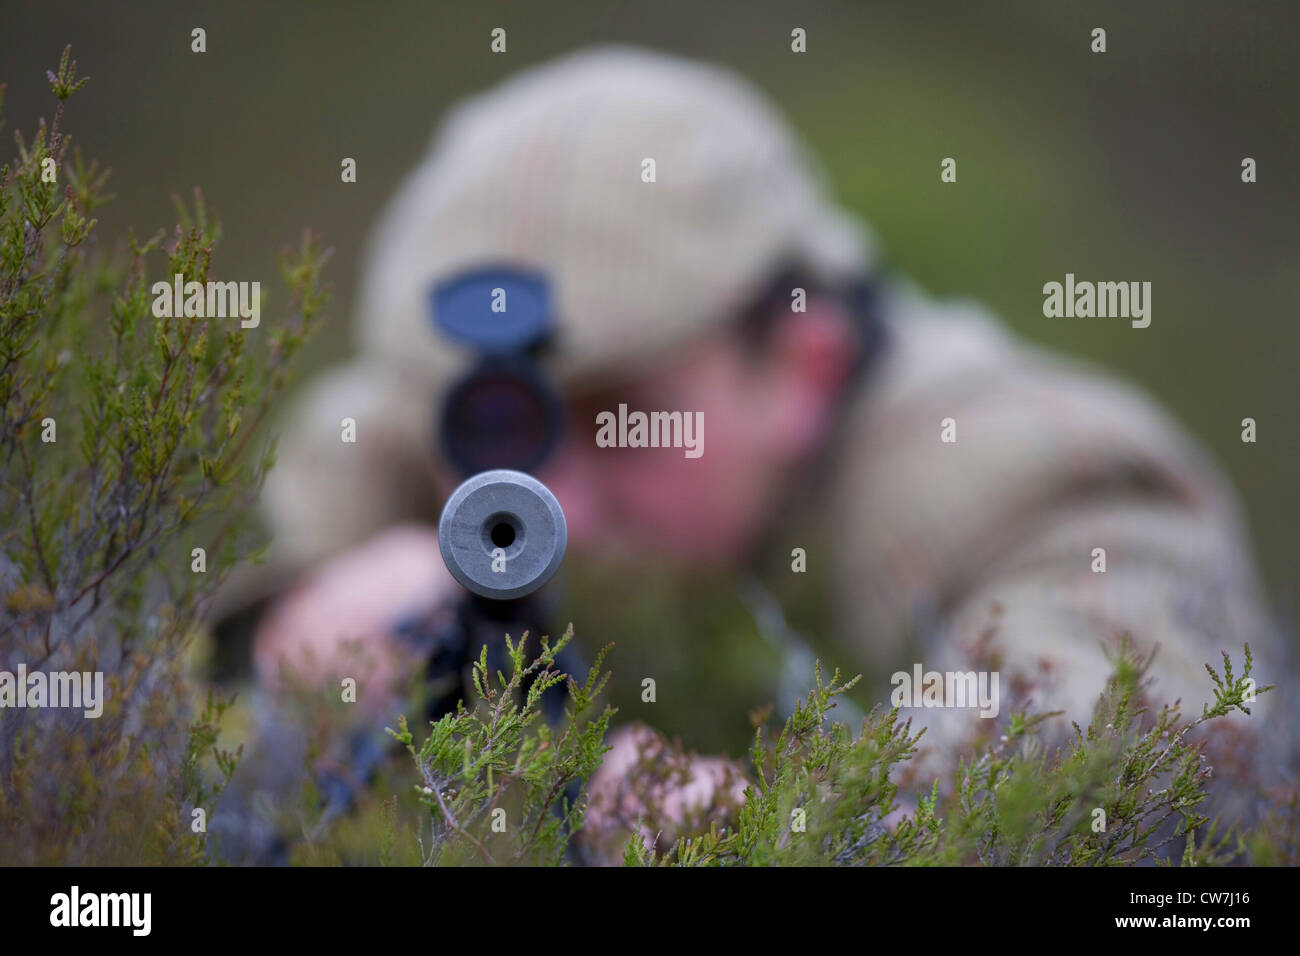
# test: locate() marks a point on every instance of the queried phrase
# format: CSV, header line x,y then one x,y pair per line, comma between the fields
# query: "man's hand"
x,y
338,621
652,787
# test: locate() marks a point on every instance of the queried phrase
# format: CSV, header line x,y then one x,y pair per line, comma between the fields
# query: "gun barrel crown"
x,y
502,534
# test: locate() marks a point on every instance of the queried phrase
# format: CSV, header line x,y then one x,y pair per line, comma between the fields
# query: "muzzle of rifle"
x,y
502,534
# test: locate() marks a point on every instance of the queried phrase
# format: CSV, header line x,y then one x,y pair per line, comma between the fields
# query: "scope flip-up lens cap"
x,y
500,309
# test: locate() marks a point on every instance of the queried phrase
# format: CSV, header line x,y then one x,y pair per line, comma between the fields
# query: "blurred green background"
x,y
1117,166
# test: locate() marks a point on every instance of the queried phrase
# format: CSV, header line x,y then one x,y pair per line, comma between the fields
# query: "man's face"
x,y
762,414
622,501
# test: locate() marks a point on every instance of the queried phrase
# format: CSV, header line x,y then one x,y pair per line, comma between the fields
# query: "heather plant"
x,y
822,794
501,784
130,453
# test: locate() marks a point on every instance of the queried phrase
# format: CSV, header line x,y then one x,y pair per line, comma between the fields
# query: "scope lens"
x,y
498,420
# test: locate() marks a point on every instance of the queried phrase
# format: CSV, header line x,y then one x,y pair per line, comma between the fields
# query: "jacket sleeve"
x,y
327,494
1067,512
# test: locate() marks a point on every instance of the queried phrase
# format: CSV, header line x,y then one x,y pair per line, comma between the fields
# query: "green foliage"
x,y
822,795
154,453
1012,804
498,756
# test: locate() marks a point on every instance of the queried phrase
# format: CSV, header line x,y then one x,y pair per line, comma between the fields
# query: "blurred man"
x,y
968,484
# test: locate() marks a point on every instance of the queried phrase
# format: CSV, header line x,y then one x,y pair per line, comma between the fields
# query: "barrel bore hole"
x,y
503,530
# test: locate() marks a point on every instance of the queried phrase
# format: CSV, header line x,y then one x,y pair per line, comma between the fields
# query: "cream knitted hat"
x,y
549,170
